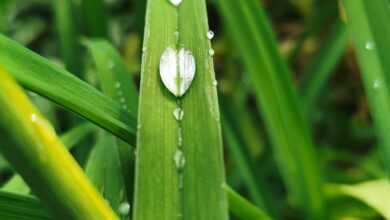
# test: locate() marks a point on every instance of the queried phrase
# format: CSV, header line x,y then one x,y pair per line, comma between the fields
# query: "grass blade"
x,y
40,157
117,83
17,185
243,209
68,33
165,189
17,207
292,145
95,19
41,76
370,38
317,73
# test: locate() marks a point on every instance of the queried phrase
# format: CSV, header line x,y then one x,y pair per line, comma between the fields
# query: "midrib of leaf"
x,y
157,191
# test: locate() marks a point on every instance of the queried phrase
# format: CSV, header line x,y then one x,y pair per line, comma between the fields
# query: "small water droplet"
x,y
177,35
215,82
179,159
117,85
210,34
124,208
175,2
178,113
377,84
123,100
139,126
177,70
211,52
144,49
33,117
370,45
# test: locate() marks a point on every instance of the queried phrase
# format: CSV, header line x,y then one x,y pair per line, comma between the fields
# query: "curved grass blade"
x,y
17,185
243,209
17,207
374,193
117,83
179,168
292,145
371,41
40,157
317,73
41,76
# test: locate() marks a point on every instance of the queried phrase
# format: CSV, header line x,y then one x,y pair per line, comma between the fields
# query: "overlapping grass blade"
x,y
45,164
365,20
117,83
17,207
47,79
243,209
164,189
17,185
292,145
317,73
374,193
68,33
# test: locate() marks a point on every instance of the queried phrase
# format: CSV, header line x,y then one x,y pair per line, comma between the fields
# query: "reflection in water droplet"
x,y
370,45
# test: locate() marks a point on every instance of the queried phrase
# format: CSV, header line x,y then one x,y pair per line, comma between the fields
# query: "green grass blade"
x,y
104,170
243,209
292,145
17,207
17,185
41,76
68,33
95,18
117,83
42,160
317,73
243,164
374,193
164,190
371,40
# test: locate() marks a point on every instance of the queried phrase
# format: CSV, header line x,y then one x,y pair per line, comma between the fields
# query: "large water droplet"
x,y
124,208
370,45
210,34
175,2
177,70
178,113
179,159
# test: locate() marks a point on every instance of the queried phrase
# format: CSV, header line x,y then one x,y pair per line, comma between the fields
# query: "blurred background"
x,y
335,106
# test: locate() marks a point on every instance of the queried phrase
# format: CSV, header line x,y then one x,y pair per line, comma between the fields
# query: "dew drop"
x,y
370,45
117,85
123,100
144,49
377,84
211,52
175,2
210,34
177,70
215,82
139,126
124,208
179,159
178,113
33,117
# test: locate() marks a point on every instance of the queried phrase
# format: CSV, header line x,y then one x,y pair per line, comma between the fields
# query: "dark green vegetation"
x,y
287,116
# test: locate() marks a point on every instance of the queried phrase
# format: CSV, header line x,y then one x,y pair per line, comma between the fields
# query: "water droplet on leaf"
x,y
370,45
178,113
179,159
175,2
211,52
124,208
210,35
177,70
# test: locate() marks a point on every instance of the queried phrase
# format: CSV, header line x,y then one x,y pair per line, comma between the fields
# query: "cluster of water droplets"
x,y
120,95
